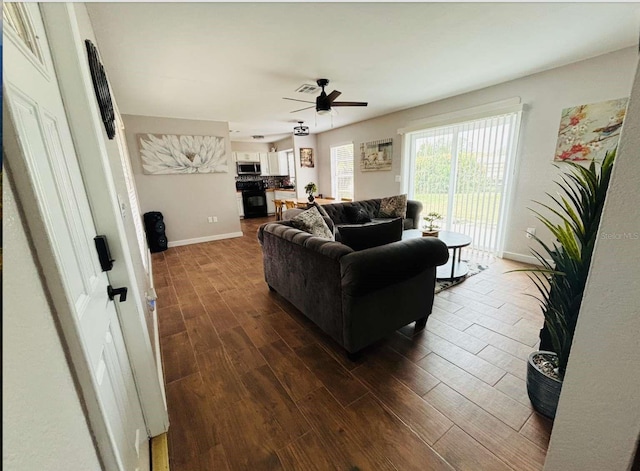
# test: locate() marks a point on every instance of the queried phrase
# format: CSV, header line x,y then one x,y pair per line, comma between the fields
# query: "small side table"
x,y
453,268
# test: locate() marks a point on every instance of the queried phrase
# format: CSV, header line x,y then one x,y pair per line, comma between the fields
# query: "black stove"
x,y
249,185
254,198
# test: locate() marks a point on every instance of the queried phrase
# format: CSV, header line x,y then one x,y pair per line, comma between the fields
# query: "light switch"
x,y
123,207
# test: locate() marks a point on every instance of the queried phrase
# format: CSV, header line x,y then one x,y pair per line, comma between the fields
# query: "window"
x,y
291,164
342,171
461,172
15,16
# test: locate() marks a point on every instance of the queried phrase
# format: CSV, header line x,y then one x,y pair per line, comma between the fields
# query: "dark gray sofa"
x,y
356,298
338,214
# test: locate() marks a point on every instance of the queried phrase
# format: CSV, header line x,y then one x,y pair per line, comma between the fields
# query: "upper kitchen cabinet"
x,y
265,168
247,156
276,164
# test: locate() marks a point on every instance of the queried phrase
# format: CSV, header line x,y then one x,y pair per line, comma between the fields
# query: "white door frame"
x,y
67,49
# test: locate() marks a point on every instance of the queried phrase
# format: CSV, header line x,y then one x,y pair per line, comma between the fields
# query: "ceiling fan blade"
x,y
333,95
349,103
302,109
293,99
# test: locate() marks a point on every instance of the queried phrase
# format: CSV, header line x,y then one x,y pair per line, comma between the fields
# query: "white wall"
x,y
545,94
598,420
250,146
284,144
43,423
305,175
186,200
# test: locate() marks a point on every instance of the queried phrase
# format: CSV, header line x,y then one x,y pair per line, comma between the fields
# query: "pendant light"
x,y
301,130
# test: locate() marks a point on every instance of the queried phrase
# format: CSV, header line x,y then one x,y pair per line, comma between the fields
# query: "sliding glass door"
x,y
461,171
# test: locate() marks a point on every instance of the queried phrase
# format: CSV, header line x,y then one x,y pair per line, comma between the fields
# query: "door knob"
x,y
122,292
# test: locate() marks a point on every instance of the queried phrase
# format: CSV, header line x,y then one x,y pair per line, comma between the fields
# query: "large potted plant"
x,y
574,220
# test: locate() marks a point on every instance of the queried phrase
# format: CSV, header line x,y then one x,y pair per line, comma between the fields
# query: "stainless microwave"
x,y
248,168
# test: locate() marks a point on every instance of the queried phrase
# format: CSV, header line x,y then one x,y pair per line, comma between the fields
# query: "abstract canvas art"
x,y
376,155
167,154
588,132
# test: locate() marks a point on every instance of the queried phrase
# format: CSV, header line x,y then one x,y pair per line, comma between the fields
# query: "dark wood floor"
x,y
251,384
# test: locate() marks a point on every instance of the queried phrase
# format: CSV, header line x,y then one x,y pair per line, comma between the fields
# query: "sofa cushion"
x,y
357,215
337,212
365,236
312,222
407,223
393,207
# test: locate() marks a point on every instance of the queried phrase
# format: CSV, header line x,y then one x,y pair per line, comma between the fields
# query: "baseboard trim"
x,y
199,240
518,257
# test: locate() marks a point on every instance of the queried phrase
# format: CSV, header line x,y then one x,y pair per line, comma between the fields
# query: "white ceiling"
x,y
235,61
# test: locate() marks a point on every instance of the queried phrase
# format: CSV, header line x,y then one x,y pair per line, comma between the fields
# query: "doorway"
x,y
461,172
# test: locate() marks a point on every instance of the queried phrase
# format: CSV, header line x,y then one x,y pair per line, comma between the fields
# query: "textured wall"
x,y
598,420
43,423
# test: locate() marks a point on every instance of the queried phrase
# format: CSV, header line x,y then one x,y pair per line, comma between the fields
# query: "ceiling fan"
x,y
324,102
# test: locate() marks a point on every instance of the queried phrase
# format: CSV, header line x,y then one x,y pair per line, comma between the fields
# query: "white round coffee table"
x,y
453,268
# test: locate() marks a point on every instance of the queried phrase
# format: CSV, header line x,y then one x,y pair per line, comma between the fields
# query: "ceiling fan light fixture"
x,y
324,112
301,130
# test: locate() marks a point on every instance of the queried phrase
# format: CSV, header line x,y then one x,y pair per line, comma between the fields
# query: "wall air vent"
x,y
308,88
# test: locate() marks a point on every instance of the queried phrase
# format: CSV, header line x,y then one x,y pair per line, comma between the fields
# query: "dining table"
x,y
303,203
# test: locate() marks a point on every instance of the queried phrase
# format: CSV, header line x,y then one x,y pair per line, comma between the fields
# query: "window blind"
x,y
342,163
461,171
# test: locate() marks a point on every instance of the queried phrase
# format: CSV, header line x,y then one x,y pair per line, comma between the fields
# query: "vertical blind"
x,y
460,171
342,174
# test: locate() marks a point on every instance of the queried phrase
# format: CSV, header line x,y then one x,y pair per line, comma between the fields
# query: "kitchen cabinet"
x,y
274,164
239,201
270,164
271,206
247,157
265,168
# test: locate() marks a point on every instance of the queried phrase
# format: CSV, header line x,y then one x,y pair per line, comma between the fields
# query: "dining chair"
x,y
279,204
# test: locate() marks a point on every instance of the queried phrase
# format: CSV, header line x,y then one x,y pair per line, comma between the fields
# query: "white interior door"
x,y
38,116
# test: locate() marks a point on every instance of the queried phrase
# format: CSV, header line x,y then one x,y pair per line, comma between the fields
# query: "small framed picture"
x,y
306,157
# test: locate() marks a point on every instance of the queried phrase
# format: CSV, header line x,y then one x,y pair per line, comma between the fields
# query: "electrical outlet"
x,y
210,219
215,219
397,178
531,231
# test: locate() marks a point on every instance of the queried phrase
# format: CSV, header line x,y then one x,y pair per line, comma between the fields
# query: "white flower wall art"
x,y
167,154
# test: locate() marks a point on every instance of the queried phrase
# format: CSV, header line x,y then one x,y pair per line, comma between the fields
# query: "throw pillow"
x,y
393,207
371,235
356,215
321,210
312,222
